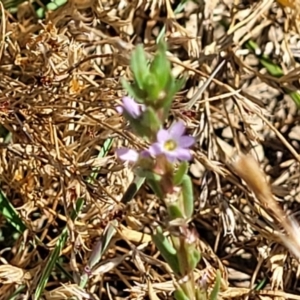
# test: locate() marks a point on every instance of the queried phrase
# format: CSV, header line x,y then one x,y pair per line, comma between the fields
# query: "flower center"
x,y
170,145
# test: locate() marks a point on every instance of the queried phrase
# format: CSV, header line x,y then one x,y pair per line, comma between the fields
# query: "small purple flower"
x,y
131,155
173,143
127,154
132,108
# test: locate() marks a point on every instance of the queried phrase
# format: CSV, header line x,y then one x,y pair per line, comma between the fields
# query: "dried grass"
x,y
60,82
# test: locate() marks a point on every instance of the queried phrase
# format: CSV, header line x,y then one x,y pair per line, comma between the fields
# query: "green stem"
x,y
188,286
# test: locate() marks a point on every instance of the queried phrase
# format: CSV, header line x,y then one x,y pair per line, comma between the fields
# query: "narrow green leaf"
x,y
214,293
274,70
64,271
51,5
188,196
166,250
173,87
180,295
102,153
100,249
8,138
296,98
151,87
155,186
139,66
261,284
177,10
146,125
17,293
133,188
3,131
174,211
151,120
182,170
108,234
56,252
102,245
161,67
10,214
133,91
201,294
149,175
138,128
194,257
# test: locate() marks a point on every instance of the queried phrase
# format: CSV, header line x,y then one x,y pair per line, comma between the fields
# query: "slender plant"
x,y
164,165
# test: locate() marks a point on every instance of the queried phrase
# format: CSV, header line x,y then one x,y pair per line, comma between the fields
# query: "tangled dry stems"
x,y
60,82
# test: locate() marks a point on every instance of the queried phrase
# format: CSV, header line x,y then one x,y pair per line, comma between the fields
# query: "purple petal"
x,y
145,153
128,101
185,141
131,107
183,154
120,109
127,154
155,149
177,129
178,154
171,157
163,136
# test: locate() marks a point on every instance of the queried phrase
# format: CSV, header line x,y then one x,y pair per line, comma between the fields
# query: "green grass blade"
x,y
10,214
177,10
52,5
216,288
16,293
261,284
296,98
273,70
108,234
56,252
102,153
99,249
110,230
12,5
133,189
63,271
